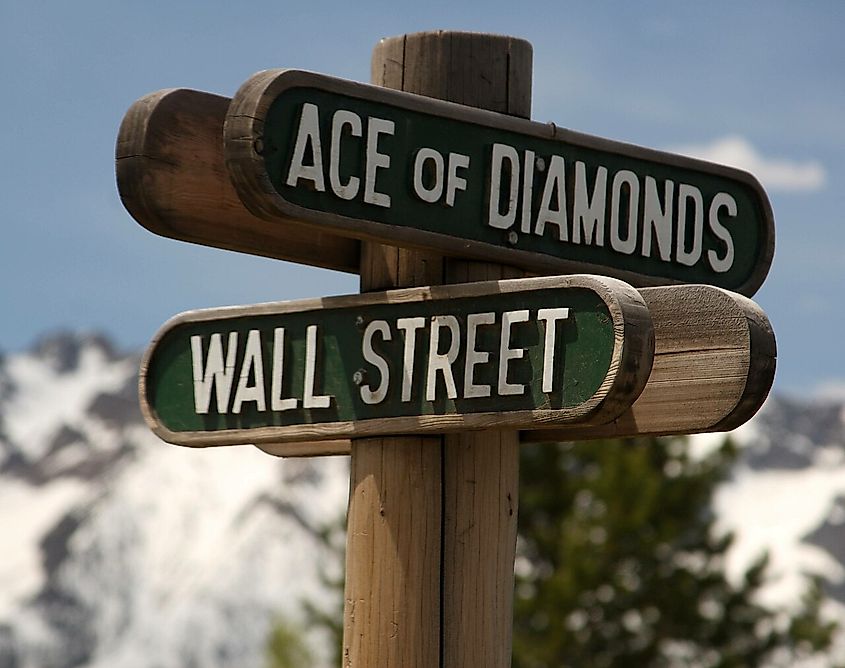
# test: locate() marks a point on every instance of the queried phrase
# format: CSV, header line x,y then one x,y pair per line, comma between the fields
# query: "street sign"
x,y
714,364
519,353
313,169
172,178
405,170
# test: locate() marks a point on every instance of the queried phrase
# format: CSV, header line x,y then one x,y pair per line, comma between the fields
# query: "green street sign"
x,y
401,169
509,354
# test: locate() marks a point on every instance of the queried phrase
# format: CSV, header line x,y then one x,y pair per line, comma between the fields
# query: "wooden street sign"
x,y
430,389
172,179
401,169
714,364
514,353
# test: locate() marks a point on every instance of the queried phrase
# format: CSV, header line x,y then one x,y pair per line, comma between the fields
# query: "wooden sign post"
x,y
432,520
432,375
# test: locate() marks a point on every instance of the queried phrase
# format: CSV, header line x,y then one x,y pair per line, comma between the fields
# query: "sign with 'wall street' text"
x,y
519,353
406,170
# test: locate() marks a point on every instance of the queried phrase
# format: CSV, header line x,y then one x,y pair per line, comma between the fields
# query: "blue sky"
x,y
760,84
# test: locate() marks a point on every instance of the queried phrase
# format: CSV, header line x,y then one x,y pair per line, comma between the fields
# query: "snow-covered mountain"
x,y
120,550
787,497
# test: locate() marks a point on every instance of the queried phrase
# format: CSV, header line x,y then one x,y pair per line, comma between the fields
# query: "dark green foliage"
x,y
620,566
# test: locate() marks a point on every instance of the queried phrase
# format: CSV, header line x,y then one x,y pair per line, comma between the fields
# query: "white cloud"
x,y
776,174
830,390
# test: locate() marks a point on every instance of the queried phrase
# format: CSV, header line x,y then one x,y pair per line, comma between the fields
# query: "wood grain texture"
x,y
437,64
481,499
392,595
482,71
714,364
172,179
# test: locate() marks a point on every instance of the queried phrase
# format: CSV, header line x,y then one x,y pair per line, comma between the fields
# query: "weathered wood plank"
x,y
714,364
172,179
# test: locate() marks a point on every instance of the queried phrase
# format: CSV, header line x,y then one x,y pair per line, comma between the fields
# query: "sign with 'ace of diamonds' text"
x,y
393,167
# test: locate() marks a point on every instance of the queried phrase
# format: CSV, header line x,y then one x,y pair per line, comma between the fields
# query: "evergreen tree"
x,y
619,565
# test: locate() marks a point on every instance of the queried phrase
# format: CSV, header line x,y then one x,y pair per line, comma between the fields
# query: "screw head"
x,y
359,377
513,238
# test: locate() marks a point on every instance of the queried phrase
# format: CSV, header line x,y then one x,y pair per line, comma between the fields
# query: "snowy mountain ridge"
x,y
120,550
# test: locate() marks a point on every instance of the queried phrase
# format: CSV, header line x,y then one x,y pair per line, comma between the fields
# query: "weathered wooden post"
x,y
432,521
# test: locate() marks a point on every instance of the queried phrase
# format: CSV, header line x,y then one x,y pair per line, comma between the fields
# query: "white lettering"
x,y
455,182
376,160
722,201
277,403
555,188
629,244
475,357
436,191
495,218
310,399
253,365
308,134
657,220
506,353
368,395
689,194
340,119
409,326
216,373
550,316
442,362
588,214
527,191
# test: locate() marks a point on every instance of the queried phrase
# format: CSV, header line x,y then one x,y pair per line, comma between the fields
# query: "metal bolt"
x,y
513,238
541,165
359,377
359,322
